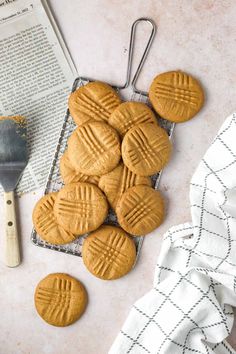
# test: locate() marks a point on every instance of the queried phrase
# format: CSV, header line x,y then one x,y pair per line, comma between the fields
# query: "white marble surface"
x,y
197,36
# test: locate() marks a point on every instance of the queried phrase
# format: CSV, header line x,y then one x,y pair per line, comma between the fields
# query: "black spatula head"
x,y
13,151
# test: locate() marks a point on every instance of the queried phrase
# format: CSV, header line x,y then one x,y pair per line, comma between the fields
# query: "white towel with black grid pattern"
x,y
189,309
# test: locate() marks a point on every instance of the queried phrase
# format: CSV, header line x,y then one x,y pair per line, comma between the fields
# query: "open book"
x,y
36,75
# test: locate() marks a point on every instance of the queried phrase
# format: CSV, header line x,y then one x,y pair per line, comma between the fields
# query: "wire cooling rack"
x,y
54,181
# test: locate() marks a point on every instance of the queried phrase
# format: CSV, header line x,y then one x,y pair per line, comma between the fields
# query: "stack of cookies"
x,y
110,157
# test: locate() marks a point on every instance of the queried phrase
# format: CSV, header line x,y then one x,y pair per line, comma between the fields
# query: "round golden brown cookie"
x,y
146,149
94,148
45,222
109,253
17,119
60,299
70,175
80,207
129,114
140,210
176,96
93,101
116,182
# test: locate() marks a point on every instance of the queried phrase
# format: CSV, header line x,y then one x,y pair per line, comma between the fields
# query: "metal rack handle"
x,y
130,58
144,56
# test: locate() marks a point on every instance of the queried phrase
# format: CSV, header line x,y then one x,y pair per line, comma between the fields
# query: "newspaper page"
x,y
36,76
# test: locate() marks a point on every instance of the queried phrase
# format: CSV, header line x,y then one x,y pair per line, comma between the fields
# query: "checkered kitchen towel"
x,y
189,308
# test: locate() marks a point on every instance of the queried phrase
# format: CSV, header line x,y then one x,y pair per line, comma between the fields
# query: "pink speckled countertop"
x,y
196,36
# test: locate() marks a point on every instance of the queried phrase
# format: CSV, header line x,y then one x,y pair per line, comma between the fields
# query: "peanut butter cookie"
x,y
176,96
116,182
94,149
109,253
140,210
80,207
45,222
70,175
146,149
93,101
129,114
60,299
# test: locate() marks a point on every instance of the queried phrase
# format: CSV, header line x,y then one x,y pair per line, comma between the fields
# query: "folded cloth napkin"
x,y
189,308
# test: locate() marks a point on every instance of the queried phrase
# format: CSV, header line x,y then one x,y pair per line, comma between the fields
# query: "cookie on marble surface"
x,y
140,210
70,175
129,114
146,149
93,101
116,182
45,222
109,253
80,207
60,299
176,96
94,148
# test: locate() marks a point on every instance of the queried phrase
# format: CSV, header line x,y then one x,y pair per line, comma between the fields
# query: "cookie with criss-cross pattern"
x,y
94,148
140,210
80,207
146,149
176,96
45,222
116,182
60,299
109,253
93,101
129,114
70,175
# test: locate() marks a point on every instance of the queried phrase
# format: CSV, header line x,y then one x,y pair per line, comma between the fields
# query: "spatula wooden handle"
x,y
12,251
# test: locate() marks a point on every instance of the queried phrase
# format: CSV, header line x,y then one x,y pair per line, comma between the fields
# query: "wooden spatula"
x,y
13,159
